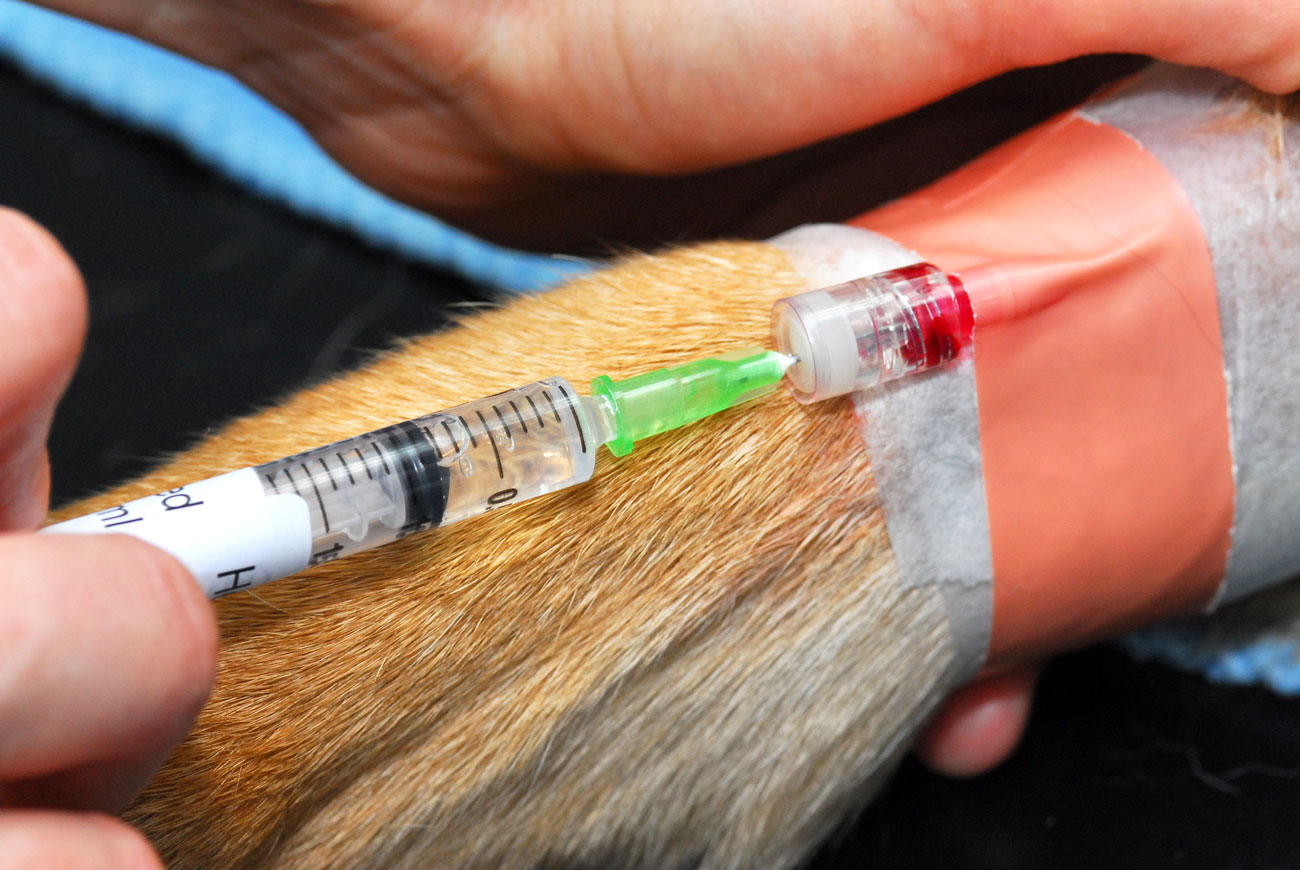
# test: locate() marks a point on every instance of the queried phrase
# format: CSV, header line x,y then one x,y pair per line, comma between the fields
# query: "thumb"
x,y
43,323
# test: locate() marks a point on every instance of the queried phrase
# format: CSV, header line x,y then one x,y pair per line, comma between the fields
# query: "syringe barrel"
x,y
871,330
254,525
434,470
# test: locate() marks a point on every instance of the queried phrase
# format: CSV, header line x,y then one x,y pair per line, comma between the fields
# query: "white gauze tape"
x,y
1240,169
922,434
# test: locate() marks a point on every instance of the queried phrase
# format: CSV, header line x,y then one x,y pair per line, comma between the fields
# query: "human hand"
x,y
543,123
107,646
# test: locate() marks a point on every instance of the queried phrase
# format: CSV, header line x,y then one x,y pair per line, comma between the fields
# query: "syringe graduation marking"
x,y
428,433
577,423
352,480
330,474
455,445
382,457
501,472
551,403
315,489
535,413
519,416
472,440
364,465
504,424
437,451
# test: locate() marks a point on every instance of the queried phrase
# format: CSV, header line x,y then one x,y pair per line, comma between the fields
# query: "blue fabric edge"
x,y
226,126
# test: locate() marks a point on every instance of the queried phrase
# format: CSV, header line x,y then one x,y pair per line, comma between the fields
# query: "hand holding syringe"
x,y
258,524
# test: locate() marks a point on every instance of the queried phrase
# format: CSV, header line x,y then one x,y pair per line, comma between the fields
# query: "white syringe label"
x,y
226,530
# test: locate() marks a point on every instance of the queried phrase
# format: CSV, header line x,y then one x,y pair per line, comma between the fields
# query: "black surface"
x,y
1123,765
206,302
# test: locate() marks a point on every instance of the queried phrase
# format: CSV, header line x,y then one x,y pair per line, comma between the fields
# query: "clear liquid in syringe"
x,y
365,491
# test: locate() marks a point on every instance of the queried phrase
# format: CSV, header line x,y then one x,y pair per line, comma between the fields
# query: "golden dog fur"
x,y
700,658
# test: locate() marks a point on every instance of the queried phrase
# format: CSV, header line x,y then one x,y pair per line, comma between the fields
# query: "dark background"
x,y
207,302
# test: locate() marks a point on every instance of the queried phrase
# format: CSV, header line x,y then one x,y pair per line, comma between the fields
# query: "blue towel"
x,y
1237,658
228,127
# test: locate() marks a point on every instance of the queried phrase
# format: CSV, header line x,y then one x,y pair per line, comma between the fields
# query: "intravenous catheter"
x,y
869,331
251,526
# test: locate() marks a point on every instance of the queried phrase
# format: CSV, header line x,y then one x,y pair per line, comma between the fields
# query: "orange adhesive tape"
x,y
1103,407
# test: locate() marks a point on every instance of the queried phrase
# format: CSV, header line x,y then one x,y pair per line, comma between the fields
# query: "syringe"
x,y
251,526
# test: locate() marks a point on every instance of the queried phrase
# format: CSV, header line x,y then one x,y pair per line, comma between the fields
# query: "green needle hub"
x,y
665,399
